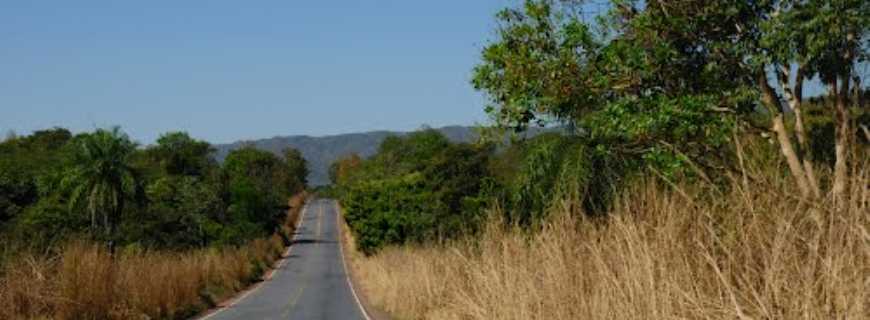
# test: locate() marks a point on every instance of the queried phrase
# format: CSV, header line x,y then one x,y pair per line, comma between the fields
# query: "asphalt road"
x,y
310,284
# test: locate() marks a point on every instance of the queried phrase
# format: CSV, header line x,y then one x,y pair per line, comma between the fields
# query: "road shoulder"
x,y
252,288
347,248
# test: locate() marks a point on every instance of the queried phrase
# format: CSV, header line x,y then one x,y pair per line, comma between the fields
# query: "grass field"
x,y
85,282
754,251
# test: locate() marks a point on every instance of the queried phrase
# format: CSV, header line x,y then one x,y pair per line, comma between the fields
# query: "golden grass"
x,y
677,252
86,282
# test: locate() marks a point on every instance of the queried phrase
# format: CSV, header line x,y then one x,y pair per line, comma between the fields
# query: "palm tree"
x,y
101,178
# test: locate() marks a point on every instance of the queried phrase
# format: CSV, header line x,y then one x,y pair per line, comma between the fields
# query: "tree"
x,y
101,177
258,184
456,177
670,80
536,71
417,187
656,84
179,154
341,169
805,39
26,163
298,169
182,211
403,154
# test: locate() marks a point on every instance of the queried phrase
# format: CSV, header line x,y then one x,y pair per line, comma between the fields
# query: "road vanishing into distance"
x,y
311,283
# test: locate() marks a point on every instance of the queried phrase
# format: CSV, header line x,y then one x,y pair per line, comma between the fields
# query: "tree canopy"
x,y
173,194
669,82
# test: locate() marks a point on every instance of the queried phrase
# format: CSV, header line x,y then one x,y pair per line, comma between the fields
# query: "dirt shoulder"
x,y
349,255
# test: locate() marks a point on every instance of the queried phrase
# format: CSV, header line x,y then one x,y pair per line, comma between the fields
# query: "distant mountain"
x,y
322,151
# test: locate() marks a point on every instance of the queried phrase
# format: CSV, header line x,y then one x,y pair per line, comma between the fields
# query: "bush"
x,y
416,188
389,211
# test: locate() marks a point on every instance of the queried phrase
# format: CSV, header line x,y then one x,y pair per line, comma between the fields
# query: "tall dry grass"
x,y
86,282
665,251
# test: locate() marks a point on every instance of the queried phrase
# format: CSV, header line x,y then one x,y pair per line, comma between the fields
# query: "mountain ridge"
x,y
321,151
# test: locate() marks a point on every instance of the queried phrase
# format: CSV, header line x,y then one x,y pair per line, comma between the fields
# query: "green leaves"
x,y
297,168
179,154
417,187
258,184
100,176
389,211
826,36
659,83
170,195
533,72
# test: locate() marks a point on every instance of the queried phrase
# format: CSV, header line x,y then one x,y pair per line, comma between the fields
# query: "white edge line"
x,y
344,263
258,285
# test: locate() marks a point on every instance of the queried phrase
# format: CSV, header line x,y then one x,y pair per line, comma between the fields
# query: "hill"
x,y
322,151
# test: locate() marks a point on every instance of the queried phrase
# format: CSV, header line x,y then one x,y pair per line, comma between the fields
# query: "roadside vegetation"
x,y
417,187
685,174
93,226
747,253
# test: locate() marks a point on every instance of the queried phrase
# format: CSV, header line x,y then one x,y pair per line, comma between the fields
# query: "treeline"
x,y
416,187
102,186
680,92
422,187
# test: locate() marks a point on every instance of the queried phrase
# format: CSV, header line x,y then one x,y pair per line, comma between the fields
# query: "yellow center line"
x,y
298,294
295,299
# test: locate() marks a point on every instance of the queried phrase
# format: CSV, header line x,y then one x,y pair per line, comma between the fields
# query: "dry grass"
x,y
677,252
86,282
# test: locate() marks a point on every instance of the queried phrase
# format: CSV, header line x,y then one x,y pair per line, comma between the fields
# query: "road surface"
x,y
311,284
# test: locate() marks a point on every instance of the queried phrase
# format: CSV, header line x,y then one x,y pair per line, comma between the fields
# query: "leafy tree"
x,y
297,168
801,40
391,210
668,82
340,170
637,82
101,178
534,72
24,162
48,222
457,178
416,187
258,185
53,185
179,154
404,154
182,212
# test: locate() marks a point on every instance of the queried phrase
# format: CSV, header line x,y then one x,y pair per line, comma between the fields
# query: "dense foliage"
x,y
664,88
414,188
422,187
101,185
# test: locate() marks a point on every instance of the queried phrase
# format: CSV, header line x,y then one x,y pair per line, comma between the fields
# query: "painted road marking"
x,y
344,263
280,264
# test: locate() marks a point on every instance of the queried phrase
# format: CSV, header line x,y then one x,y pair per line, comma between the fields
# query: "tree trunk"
x,y
795,102
771,99
791,158
112,225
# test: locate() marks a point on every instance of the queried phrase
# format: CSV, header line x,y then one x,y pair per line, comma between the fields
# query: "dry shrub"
x,y
675,252
24,290
86,282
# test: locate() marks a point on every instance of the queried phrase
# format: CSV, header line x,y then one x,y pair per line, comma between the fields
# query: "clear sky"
x,y
230,70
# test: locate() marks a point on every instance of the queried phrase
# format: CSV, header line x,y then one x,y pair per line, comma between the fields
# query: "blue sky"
x,y
229,70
